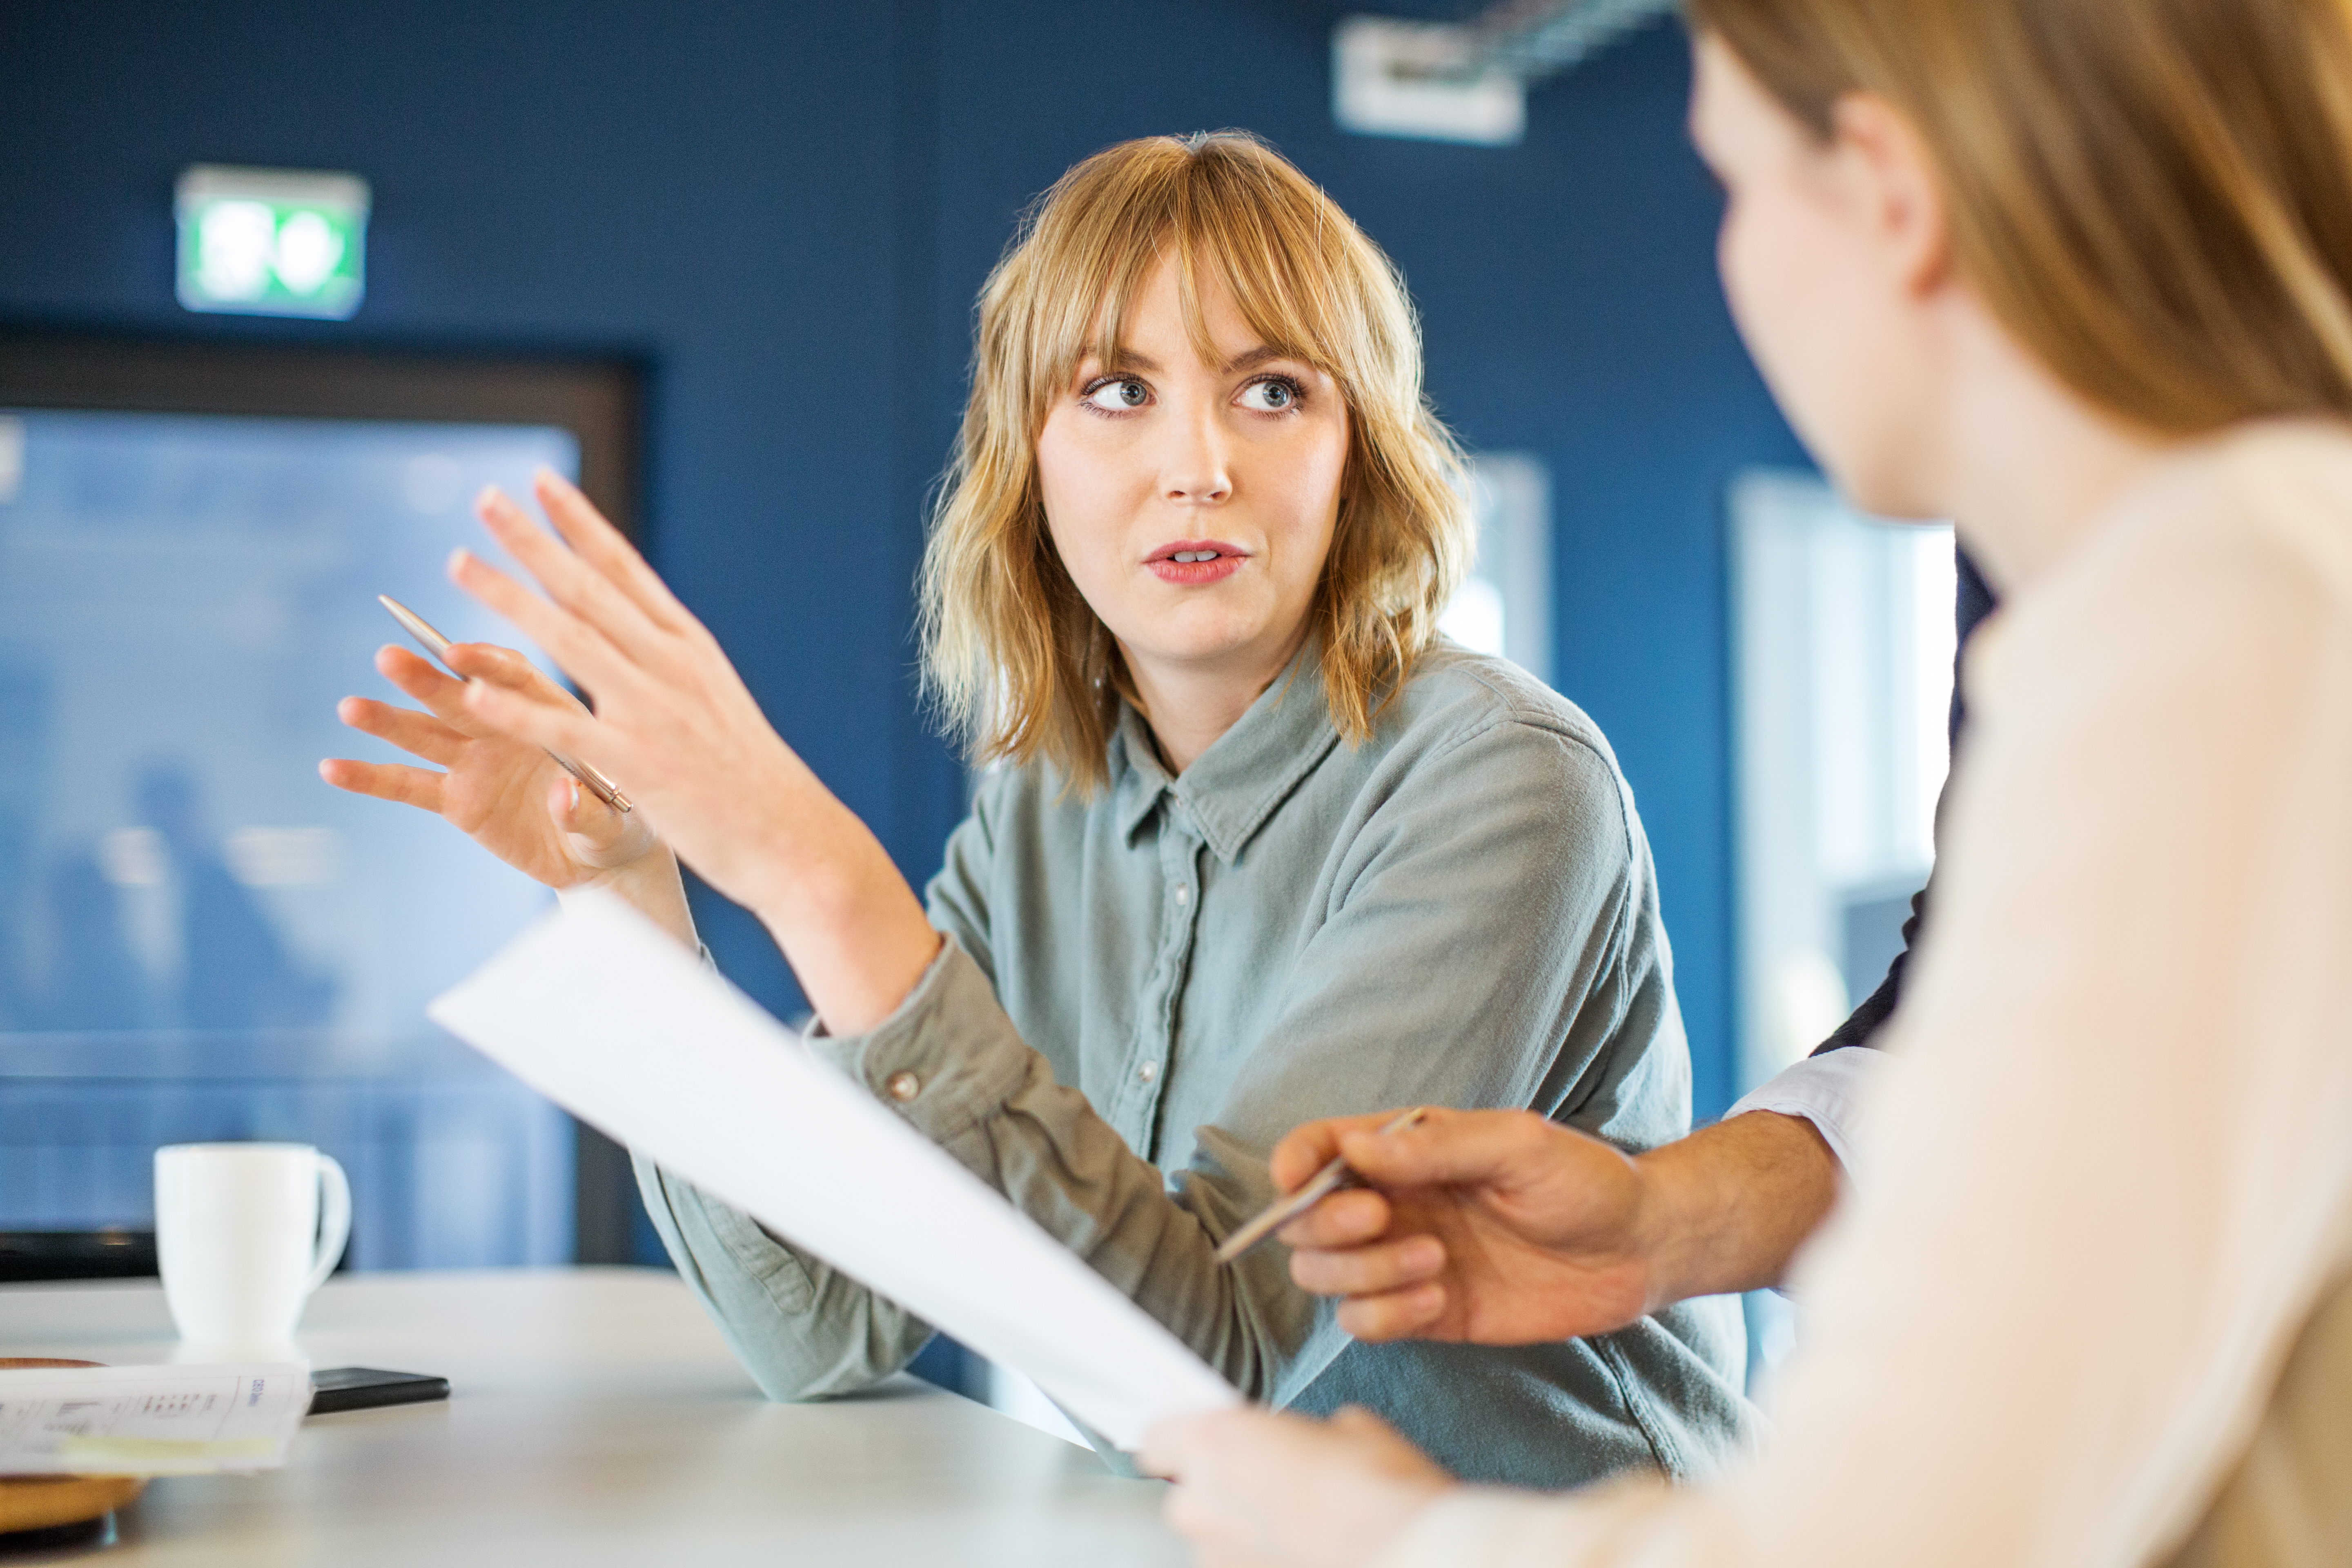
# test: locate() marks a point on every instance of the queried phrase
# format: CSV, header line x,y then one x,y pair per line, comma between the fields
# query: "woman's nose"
x,y
1192,469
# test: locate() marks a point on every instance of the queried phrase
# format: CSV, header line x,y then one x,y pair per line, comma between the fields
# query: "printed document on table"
x,y
149,1420
608,1016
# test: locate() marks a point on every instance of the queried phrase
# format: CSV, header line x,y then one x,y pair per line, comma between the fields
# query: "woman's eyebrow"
x,y
1249,359
1125,359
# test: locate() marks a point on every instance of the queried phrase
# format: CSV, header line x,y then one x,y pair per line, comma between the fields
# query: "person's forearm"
x,y
976,1088
1726,1208
853,931
802,1328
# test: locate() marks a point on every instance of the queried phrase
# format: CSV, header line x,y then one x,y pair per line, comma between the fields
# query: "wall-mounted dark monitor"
x,y
198,938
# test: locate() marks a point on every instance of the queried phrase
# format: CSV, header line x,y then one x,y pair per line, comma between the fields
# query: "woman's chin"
x,y
1191,651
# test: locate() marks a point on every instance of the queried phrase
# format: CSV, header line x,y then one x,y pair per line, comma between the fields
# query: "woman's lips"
x,y
1191,562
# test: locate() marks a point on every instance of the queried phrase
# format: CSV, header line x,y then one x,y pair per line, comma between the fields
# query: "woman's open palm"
x,y
506,795
675,727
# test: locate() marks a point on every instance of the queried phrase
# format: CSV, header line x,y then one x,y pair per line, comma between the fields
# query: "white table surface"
x,y
596,1416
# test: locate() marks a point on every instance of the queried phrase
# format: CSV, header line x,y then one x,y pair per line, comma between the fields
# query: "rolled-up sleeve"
x,y
1824,1089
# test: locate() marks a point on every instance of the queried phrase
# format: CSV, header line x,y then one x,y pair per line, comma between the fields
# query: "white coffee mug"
x,y
245,1232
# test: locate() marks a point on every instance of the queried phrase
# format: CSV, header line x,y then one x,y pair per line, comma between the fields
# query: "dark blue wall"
x,y
784,211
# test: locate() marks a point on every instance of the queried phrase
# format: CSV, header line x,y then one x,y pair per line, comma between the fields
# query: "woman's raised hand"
x,y
506,795
675,728
674,725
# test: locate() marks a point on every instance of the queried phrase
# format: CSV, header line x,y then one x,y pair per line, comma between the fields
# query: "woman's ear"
x,y
1900,195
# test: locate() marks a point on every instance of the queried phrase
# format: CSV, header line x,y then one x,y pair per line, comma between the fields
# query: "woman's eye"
x,y
1273,397
1118,396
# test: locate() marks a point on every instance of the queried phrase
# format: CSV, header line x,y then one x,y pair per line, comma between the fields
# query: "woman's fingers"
x,y
582,651
542,723
569,580
489,661
504,667
420,679
420,734
605,838
419,787
602,545
577,811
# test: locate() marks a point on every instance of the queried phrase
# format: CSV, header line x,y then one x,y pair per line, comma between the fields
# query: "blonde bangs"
x,y
1017,663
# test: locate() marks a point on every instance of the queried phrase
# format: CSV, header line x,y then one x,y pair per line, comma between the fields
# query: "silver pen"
x,y
436,644
1320,1185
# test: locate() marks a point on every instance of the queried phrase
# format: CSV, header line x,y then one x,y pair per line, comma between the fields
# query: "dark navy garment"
x,y
1974,602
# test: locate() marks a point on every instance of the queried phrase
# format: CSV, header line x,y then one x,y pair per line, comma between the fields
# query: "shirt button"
x,y
1148,1071
903,1085
1183,896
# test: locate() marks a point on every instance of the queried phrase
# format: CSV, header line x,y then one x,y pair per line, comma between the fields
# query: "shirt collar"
x,y
1234,787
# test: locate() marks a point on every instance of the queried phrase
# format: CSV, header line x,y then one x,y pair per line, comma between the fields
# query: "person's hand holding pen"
x,y
1500,1227
675,727
1491,1226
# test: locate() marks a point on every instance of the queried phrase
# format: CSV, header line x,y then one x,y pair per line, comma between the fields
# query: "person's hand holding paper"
x,y
737,1105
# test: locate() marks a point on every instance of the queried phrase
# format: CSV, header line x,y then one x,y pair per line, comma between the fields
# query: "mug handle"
x,y
334,1221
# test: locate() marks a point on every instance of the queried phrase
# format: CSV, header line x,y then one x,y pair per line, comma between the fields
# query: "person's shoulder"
x,y
1455,691
2229,566
1471,741
2254,521
1455,698
2287,489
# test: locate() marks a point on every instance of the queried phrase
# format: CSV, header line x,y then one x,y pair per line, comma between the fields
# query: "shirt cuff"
x,y
947,1060
1823,1091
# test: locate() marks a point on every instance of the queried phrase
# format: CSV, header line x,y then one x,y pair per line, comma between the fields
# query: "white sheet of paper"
x,y
149,1420
606,1015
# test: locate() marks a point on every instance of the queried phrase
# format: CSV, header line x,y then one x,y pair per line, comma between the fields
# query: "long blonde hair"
x,y
1018,663
2154,197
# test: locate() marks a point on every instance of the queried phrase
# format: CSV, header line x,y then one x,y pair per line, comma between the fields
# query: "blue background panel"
x,y
784,211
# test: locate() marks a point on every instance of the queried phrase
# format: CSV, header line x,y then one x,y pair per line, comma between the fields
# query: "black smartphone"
x,y
365,1387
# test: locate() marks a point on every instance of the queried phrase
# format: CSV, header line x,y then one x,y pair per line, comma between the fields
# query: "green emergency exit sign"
x,y
272,242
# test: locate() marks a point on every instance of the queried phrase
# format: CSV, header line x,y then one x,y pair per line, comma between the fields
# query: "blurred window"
x,y
1504,606
199,939
1844,642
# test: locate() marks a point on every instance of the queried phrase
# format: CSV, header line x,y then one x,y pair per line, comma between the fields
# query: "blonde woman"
x,y
2081,276
1256,847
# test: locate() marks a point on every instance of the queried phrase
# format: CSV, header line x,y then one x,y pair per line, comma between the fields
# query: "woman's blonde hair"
x,y
2154,197
1021,666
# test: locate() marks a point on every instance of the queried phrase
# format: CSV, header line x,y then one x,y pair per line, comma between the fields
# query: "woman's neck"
x,y
1190,704
2030,464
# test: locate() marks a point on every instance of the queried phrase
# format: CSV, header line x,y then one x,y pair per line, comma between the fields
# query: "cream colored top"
x,y
2053,1330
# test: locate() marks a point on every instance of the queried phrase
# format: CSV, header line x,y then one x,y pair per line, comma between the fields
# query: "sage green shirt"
x,y
1144,991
